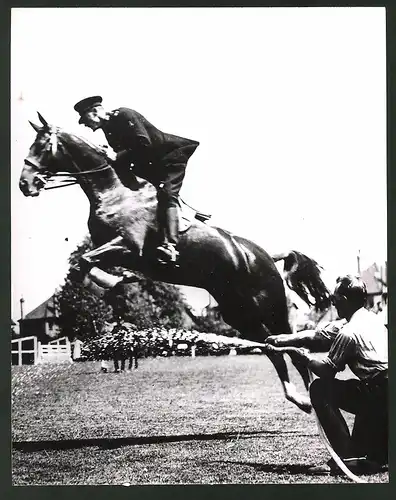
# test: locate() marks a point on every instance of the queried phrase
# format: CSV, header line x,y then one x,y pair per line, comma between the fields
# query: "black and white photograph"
x,y
199,246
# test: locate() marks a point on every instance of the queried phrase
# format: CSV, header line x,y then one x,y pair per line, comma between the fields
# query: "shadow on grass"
x,y
112,443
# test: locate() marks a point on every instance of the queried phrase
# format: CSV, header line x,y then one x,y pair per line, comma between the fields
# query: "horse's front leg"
x,y
98,281
96,255
94,275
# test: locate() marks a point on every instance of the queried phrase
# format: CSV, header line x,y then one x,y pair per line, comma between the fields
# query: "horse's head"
x,y
55,152
40,163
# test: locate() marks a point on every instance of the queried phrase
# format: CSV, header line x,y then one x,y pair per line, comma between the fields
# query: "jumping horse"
x,y
239,274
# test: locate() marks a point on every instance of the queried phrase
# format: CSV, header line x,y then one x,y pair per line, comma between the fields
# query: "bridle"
x,y
52,146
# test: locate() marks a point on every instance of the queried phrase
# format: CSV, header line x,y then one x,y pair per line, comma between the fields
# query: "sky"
x,y
288,104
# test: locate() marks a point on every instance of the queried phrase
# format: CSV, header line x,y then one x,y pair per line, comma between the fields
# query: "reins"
x,y
66,182
101,168
47,188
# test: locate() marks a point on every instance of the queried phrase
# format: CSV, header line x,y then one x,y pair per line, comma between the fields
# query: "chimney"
x,y
22,300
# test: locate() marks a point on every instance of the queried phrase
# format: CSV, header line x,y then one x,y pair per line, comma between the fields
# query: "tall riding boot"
x,y
167,251
172,225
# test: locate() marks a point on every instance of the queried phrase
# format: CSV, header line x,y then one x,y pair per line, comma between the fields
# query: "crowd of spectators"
x,y
155,342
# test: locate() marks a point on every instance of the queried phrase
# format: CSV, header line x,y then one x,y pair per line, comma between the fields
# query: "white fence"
x,y
56,351
29,350
24,351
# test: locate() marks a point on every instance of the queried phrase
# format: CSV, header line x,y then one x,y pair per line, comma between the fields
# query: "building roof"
x,y
48,309
375,279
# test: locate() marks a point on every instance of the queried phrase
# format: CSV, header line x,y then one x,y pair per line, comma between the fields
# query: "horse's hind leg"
x,y
282,325
289,388
301,368
259,333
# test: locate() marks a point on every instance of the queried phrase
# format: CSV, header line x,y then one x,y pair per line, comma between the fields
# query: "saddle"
x,y
188,214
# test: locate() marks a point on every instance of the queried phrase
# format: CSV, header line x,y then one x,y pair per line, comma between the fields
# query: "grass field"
x,y
197,420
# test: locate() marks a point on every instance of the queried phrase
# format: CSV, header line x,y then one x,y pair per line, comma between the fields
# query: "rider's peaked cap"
x,y
85,104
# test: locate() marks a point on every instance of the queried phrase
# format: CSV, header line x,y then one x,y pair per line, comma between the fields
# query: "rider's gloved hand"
x,y
272,339
111,155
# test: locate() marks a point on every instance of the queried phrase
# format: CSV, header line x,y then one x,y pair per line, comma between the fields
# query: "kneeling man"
x,y
361,344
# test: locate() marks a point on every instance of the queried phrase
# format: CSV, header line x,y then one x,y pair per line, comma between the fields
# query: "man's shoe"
x,y
363,465
325,469
167,253
358,466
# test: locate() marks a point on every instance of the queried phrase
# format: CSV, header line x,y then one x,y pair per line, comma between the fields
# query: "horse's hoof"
x,y
129,277
167,254
168,263
305,407
82,268
76,274
300,401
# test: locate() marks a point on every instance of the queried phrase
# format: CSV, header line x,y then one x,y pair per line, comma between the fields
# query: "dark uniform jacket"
x,y
148,148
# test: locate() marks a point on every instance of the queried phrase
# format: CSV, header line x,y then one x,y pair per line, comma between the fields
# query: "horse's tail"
x,y
303,276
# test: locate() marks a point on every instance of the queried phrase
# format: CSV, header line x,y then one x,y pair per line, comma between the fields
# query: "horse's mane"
x,y
85,143
132,182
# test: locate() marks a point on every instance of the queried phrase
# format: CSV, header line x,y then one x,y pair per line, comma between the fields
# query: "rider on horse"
x,y
158,157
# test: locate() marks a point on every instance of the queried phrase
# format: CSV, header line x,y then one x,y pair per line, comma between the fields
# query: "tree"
x,y
213,323
145,304
148,304
82,314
